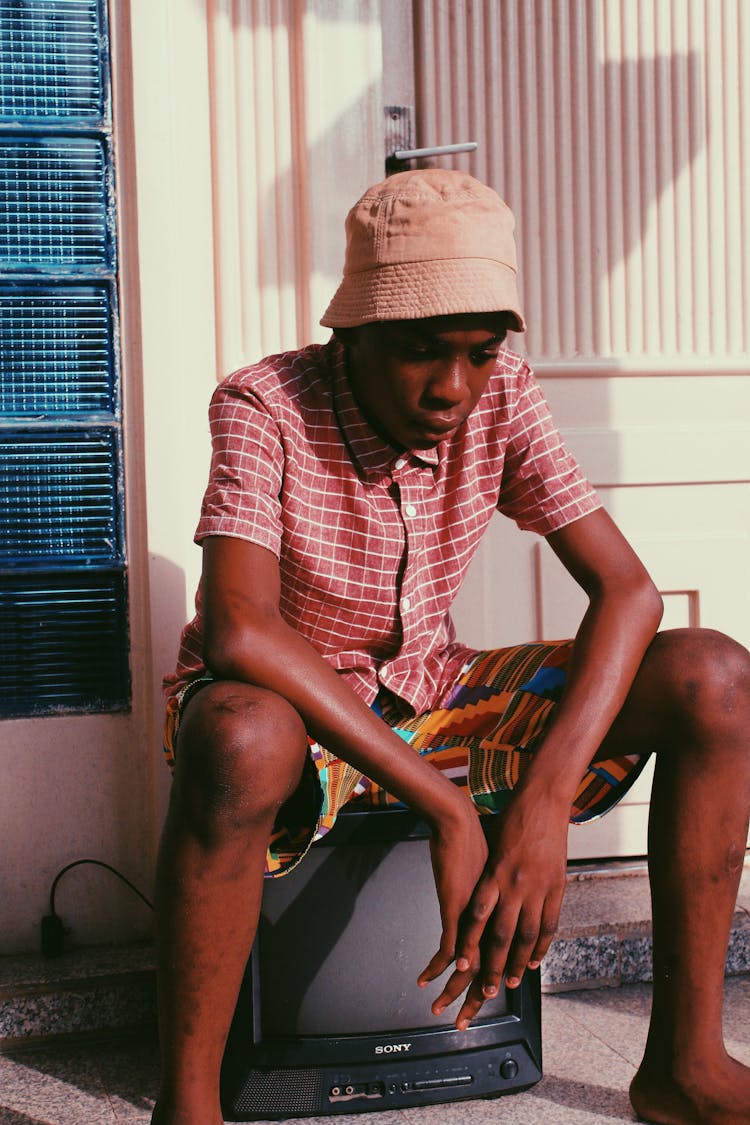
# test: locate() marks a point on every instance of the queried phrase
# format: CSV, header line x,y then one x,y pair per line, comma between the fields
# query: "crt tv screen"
x,y
330,1018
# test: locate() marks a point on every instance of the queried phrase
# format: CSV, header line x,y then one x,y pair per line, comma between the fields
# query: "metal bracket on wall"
x,y
399,122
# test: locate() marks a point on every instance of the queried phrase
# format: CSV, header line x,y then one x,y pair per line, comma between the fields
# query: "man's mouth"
x,y
437,424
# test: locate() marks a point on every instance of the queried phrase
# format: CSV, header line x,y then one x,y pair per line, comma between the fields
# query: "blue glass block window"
x,y
63,574
61,643
58,497
53,203
56,353
50,60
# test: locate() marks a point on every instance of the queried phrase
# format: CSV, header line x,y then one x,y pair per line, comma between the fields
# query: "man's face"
x,y
416,381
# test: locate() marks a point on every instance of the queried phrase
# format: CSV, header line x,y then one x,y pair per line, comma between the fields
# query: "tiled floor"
x,y
592,1044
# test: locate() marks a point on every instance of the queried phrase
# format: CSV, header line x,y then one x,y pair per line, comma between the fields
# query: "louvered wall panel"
x,y
618,132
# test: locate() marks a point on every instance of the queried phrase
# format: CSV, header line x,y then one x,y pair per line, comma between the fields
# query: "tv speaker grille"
x,y
283,1090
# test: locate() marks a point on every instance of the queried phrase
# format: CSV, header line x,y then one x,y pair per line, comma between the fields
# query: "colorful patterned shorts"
x,y
482,737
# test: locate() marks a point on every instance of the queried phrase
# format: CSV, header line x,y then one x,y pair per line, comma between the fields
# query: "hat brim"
x,y
416,290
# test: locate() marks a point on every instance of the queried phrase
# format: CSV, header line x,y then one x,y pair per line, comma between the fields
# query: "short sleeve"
x,y
242,499
543,487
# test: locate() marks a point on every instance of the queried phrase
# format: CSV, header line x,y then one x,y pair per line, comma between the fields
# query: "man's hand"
x,y
512,914
458,850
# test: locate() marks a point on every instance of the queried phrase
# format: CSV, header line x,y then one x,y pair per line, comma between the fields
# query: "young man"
x,y
350,485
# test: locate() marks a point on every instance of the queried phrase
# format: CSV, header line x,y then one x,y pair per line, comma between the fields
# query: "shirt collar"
x,y
371,455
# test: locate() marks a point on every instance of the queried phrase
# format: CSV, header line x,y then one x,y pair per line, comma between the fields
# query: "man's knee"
x,y
240,753
703,678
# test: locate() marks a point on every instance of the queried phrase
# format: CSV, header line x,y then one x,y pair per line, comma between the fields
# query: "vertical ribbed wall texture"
x,y
251,139
297,134
619,132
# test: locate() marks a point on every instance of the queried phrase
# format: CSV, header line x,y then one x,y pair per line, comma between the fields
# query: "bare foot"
x,y
710,1094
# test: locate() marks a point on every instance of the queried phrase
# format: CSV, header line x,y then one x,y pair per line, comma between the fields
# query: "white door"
x,y
614,132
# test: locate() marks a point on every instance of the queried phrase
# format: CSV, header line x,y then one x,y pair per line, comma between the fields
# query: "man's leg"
x,y
240,755
691,704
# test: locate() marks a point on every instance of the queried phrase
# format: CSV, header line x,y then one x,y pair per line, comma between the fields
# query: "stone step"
x,y
604,935
106,988
604,940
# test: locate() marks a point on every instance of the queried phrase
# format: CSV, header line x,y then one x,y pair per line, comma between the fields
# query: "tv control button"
x,y
509,1069
440,1083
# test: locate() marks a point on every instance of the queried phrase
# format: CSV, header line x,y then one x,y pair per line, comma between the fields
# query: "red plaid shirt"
x,y
372,543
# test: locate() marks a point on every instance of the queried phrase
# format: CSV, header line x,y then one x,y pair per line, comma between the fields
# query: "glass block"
x,y
53,203
55,350
50,59
58,497
63,643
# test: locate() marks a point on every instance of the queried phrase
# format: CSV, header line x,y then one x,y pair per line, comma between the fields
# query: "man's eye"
x,y
414,351
480,358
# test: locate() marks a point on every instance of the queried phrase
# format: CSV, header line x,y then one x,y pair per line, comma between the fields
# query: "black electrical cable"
x,y
53,932
96,863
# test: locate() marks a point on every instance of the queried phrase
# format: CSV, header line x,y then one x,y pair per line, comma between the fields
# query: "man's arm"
x,y
246,639
516,904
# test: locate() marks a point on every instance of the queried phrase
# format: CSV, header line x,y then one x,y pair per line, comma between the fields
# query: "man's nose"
x,y
449,384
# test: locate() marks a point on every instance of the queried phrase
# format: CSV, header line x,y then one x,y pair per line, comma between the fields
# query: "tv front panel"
x,y
330,1018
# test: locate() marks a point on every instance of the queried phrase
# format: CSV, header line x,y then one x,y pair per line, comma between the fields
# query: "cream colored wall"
x,y
169,296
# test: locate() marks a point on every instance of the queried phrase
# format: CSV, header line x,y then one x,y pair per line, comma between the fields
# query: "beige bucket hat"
x,y
431,242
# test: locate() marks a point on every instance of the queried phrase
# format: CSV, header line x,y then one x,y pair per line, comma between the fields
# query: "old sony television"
x,y
330,1018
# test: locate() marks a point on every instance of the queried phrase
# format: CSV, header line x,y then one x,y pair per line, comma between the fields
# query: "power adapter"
x,y
53,935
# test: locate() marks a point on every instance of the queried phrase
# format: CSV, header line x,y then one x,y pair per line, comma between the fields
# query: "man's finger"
x,y
437,966
474,921
547,930
496,946
523,947
457,983
470,1007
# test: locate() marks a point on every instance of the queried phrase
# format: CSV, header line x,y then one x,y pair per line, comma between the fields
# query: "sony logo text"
x,y
392,1048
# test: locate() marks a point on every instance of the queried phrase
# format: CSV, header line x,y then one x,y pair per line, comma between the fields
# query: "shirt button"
x,y
410,510
400,463
406,603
